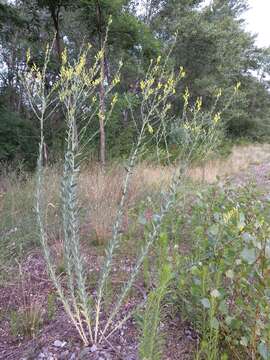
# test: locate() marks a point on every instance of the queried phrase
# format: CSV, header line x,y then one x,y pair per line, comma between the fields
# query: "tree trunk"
x,y
55,17
149,12
102,110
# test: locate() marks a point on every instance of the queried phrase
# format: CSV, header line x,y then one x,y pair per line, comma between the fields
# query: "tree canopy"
x,y
212,45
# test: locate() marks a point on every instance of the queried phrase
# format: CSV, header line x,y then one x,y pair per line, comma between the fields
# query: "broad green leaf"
x,y
248,255
142,220
241,223
215,323
213,230
264,351
244,341
206,303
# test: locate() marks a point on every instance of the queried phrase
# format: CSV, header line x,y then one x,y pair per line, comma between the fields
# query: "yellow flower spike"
x,y
216,118
150,82
114,100
150,129
219,93
47,49
182,72
64,57
69,73
198,104
159,86
34,68
158,59
100,54
97,82
142,85
186,97
230,214
28,55
116,80
150,92
81,64
237,86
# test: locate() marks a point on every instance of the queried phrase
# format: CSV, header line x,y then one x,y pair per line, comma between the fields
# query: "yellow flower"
x,y
114,99
142,85
217,118
198,104
81,64
97,82
150,129
116,80
219,93
64,57
182,72
186,97
229,215
237,86
28,55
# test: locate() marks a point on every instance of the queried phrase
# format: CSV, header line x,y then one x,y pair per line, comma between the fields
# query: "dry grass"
x,y
239,160
100,193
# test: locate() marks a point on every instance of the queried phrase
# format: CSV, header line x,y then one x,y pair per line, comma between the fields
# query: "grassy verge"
x,y
217,239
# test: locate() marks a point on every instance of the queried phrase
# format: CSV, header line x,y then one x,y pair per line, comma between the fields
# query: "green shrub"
x,y
222,283
18,141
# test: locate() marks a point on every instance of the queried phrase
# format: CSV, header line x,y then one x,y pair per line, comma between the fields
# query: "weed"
x,y
76,90
151,341
27,321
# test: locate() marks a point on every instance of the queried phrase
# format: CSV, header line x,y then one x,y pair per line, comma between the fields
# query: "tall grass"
x,y
99,194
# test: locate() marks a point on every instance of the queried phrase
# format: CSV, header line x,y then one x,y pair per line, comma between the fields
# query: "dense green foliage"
x,y
225,286
212,46
219,252
17,138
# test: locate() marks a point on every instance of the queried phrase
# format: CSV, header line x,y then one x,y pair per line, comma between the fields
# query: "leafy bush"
x,y
222,283
18,141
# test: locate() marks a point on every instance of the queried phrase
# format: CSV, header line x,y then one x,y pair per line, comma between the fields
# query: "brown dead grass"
x,y
239,160
100,191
